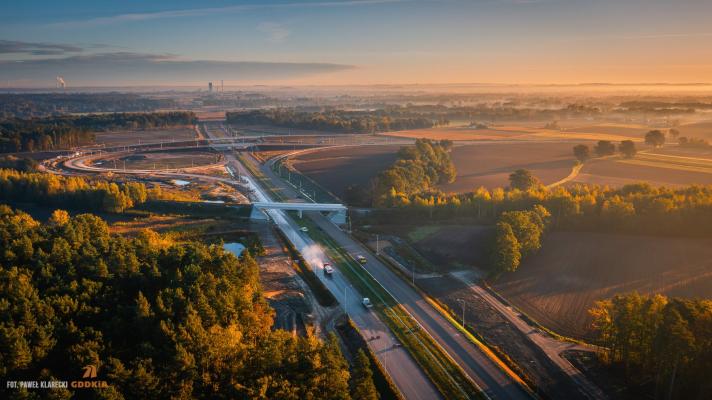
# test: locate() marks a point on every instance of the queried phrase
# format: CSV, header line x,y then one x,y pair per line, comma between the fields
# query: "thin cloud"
x,y
276,33
200,12
156,68
37,49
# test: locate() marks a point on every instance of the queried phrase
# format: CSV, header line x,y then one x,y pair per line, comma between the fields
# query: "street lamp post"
x,y
462,301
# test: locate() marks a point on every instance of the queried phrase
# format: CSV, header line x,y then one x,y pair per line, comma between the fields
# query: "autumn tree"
x,y
523,179
582,152
655,138
627,148
604,148
362,386
658,339
506,254
160,319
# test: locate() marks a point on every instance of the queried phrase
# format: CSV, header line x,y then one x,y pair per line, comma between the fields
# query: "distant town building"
x,y
210,87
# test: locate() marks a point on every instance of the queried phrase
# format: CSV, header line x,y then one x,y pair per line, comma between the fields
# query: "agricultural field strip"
x,y
681,163
401,322
669,158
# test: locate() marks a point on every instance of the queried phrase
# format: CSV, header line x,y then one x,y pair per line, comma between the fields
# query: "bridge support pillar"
x,y
300,214
256,213
338,217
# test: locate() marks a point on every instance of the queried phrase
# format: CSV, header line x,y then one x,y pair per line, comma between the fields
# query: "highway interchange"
x,y
494,381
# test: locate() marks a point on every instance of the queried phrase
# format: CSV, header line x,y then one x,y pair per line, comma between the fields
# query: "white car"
x,y
367,302
361,259
304,229
328,269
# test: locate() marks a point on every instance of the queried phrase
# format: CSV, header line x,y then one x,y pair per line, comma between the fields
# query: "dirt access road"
x,y
552,347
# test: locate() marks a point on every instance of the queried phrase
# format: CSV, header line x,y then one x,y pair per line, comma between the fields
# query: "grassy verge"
x,y
354,342
322,293
447,376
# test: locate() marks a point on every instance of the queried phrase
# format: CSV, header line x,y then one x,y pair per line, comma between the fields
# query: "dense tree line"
x,y
418,168
159,319
664,344
32,105
634,208
70,191
604,148
334,121
18,163
68,131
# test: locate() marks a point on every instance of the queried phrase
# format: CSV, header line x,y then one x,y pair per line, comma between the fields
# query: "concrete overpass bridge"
x,y
337,212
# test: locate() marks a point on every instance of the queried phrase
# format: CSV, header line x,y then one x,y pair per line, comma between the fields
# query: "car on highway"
x,y
367,302
304,229
328,269
361,259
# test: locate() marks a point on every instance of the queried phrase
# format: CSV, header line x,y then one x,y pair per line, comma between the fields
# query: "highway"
x,y
405,372
480,368
402,368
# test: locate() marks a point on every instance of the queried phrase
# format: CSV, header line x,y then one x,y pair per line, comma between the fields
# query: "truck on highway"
x,y
328,269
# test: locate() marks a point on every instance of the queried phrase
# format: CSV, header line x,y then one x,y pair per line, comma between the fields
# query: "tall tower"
x,y
210,87
222,86
60,83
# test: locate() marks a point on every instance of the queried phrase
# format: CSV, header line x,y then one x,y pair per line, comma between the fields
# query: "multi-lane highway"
x,y
404,371
478,366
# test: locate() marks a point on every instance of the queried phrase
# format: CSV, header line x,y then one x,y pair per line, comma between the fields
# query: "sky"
x,y
345,42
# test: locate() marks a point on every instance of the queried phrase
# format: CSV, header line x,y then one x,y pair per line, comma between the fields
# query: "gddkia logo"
x,y
90,372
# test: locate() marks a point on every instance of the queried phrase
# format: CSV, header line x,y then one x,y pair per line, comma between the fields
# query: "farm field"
x,y
121,138
336,169
631,130
448,246
694,152
612,132
697,129
559,284
489,164
657,169
484,164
